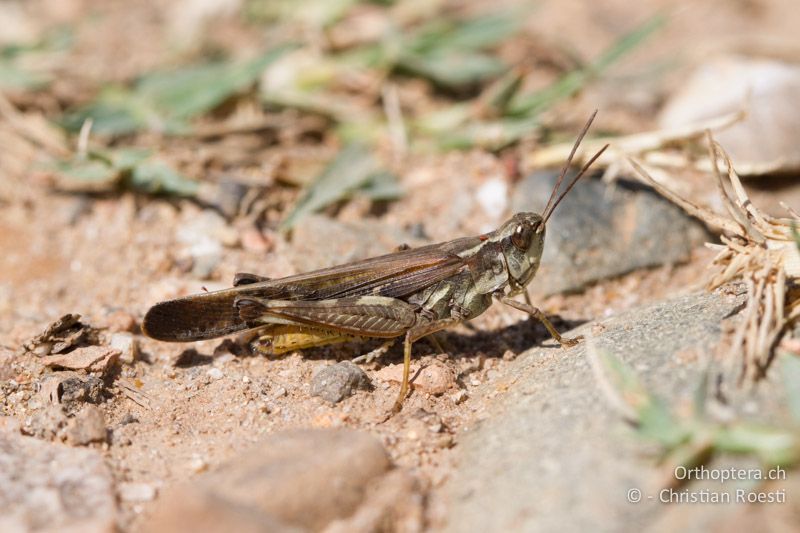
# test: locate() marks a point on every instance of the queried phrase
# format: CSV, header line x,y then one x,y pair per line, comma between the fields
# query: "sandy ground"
x,y
189,417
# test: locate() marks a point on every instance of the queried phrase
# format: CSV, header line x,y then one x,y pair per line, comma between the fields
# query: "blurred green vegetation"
x,y
166,101
476,98
355,169
696,439
26,66
125,168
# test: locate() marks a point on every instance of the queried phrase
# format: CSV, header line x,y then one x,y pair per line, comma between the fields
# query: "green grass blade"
x,y
192,91
653,418
164,101
774,446
475,34
451,70
790,370
491,135
382,186
119,111
353,167
158,178
126,168
572,82
15,77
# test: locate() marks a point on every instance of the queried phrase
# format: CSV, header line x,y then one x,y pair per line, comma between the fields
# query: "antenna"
x,y
554,200
572,183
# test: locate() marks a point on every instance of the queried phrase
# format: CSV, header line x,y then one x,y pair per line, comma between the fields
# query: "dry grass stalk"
x,y
653,146
27,138
757,249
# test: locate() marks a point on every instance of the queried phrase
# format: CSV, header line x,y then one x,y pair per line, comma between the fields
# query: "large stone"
x,y
53,487
552,455
764,141
600,232
296,480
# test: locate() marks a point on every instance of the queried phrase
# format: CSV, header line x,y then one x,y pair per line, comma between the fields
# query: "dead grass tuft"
x,y
756,249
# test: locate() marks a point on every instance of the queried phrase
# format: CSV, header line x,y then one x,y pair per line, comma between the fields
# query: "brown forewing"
x,y
395,275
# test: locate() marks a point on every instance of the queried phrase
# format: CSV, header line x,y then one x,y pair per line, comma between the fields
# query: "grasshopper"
x,y
410,293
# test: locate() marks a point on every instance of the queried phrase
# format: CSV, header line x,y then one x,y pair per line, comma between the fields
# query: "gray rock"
x,y
551,454
334,383
226,195
53,487
293,481
319,241
599,232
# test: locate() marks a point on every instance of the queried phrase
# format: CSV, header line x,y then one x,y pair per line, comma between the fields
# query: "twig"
x,y
394,117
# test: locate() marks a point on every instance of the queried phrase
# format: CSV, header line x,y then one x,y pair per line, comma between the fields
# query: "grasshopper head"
x,y
522,238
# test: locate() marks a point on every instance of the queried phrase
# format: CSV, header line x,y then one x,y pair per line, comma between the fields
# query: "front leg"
x,y
537,313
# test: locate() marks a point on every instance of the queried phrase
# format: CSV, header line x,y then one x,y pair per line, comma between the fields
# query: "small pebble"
x,y
492,196
334,383
246,379
224,358
433,378
127,345
205,259
136,492
215,373
198,464
443,441
15,397
459,397
253,241
87,427
120,321
128,419
78,389
34,403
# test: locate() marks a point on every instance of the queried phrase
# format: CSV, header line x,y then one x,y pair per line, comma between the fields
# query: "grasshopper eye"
x,y
521,238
